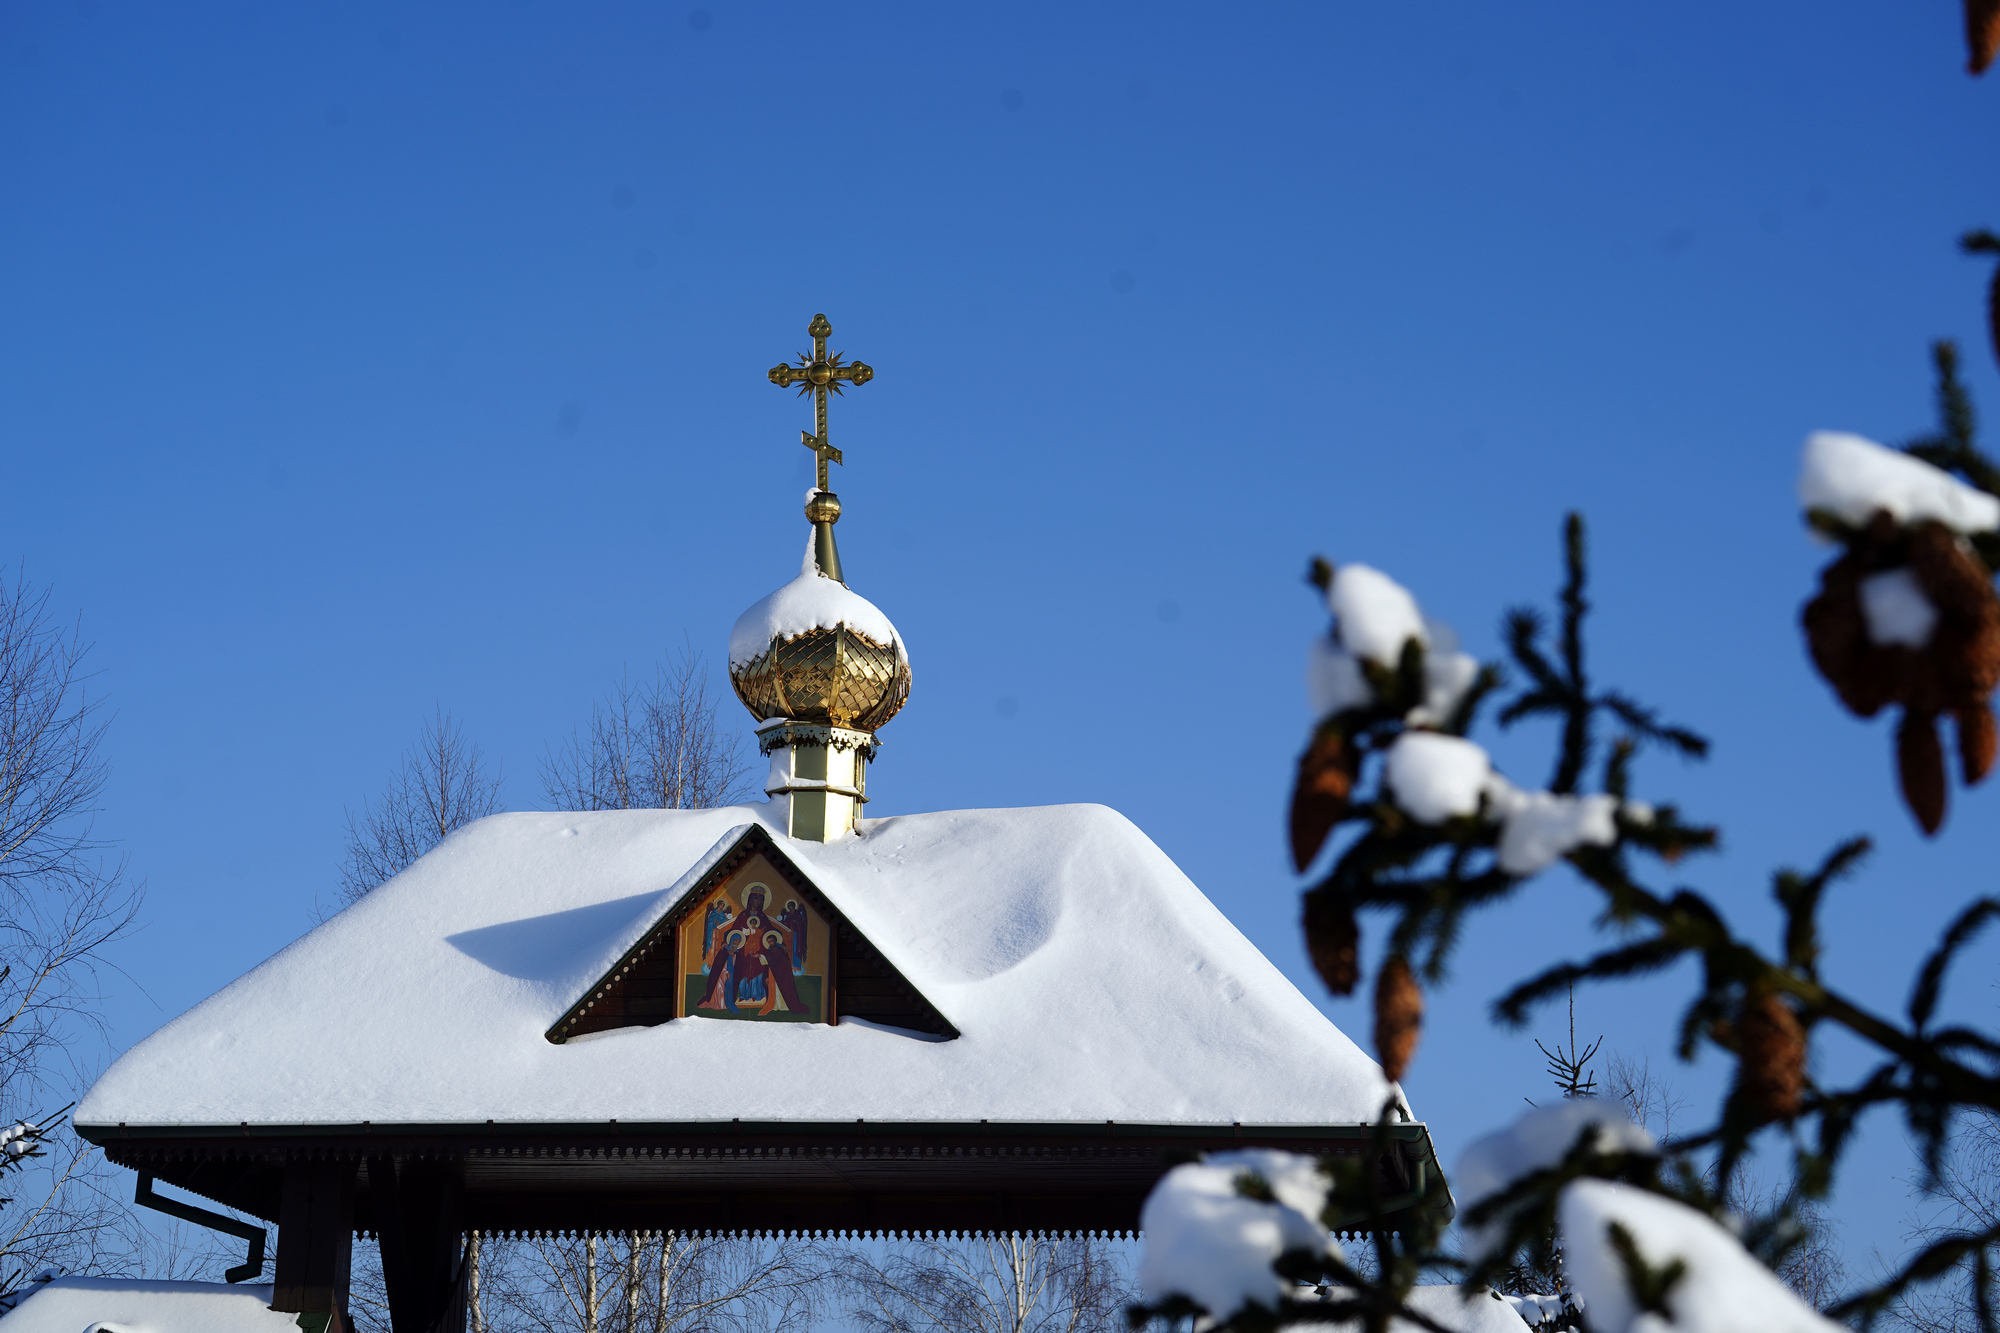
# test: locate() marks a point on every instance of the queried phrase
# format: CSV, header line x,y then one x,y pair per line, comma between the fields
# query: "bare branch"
x,y
443,785
994,1284
658,746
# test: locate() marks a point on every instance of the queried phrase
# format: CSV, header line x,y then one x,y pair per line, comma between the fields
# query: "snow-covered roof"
x,y
125,1305
810,601
1089,978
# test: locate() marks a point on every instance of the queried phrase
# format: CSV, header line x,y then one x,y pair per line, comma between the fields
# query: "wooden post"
x,y
315,1241
416,1204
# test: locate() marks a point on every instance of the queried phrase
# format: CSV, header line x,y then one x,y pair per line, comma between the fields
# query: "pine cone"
x,y
1976,741
1866,675
1771,1057
1399,1017
1982,33
1326,778
1960,665
1955,672
1333,940
1920,765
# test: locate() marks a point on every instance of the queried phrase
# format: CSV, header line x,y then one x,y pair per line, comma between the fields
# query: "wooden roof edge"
x,y
1414,1133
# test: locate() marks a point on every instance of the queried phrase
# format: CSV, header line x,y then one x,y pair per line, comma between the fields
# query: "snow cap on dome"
x,y
810,601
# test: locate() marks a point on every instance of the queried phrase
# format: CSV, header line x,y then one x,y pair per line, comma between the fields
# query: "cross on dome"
x,y
815,374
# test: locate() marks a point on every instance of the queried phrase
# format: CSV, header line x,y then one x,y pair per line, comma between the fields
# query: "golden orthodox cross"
x,y
816,374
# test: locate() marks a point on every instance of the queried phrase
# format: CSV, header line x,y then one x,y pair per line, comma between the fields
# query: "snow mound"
x,y
1435,777
1448,674
1334,682
120,1305
1539,828
1374,616
1725,1290
1535,1142
1851,477
810,601
1894,605
1534,1310
1445,1304
1211,1243
432,994
1450,1305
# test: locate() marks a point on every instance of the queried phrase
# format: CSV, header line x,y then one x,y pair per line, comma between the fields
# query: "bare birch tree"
x,y
1811,1265
444,783
1963,1199
651,1282
62,902
654,746
995,1284
1650,1100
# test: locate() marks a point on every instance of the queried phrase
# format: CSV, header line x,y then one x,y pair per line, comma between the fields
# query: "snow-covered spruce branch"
x,y
1437,834
1245,1235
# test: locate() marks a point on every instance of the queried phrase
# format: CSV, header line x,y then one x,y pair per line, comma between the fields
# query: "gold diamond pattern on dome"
x,y
832,676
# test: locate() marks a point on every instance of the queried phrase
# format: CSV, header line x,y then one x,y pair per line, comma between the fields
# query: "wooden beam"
x,y
315,1239
416,1204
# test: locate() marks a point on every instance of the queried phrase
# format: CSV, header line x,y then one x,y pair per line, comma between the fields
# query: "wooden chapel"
x,y
782,1017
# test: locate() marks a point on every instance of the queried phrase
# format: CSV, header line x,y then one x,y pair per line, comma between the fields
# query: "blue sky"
x,y
360,359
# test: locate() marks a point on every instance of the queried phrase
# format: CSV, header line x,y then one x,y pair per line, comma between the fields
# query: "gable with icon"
x,y
753,940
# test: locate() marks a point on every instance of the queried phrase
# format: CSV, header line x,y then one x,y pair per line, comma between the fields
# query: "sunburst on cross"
x,y
815,374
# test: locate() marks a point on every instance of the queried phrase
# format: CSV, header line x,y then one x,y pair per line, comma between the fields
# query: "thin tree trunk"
x,y
633,1240
1022,1301
666,1281
590,1283
478,1315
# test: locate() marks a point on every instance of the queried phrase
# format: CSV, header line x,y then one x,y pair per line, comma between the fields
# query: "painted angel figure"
x,y
793,918
722,967
719,912
772,959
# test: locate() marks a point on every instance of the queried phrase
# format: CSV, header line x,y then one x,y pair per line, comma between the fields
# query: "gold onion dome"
x,y
815,651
